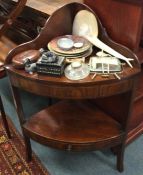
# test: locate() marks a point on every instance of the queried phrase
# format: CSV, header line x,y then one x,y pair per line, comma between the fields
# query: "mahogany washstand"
x,y
77,122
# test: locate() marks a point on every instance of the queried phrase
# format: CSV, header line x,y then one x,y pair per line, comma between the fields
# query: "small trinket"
x,y
78,45
77,71
50,64
105,64
29,66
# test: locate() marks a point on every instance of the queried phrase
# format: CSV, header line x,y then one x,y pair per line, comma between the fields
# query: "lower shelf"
x,y
76,125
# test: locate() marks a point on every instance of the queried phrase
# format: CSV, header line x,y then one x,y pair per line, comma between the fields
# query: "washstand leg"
x,y
28,148
120,158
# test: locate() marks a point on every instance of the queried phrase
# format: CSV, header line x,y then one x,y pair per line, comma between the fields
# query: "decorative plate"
x,y
79,55
53,45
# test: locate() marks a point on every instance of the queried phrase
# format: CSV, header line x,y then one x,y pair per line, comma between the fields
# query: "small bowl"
x,y
65,43
78,45
77,71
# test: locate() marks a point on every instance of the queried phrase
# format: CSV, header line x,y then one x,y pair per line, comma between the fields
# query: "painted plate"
x,y
53,45
79,55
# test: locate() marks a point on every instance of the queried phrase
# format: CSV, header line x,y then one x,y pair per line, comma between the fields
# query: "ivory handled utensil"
x,y
85,24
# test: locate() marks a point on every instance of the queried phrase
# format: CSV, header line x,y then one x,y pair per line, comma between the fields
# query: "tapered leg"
x,y
22,120
120,158
28,148
3,115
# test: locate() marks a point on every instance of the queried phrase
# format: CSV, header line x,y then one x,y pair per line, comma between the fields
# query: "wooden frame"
x,y
46,127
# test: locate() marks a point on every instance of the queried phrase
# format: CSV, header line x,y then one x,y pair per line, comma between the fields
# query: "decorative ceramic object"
x,y
49,57
81,47
54,44
78,45
105,64
78,55
77,71
65,43
85,24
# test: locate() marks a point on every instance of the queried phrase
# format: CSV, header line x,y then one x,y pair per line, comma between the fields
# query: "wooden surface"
x,y
136,124
138,2
124,23
64,88
9,20
62,125
48,6
58,126
5,46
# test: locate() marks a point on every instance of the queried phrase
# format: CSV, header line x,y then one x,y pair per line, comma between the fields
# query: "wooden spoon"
x,y
85,24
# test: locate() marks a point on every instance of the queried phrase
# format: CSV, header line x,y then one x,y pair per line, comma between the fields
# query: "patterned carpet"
x,y
12,155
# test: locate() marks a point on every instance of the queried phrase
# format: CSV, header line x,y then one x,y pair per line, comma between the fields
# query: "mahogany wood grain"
x,y
123,21
61,125
116,106
138,2
64,88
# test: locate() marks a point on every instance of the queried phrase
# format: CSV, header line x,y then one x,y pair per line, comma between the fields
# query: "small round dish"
x,y
77,71
65,43
53,45
78,45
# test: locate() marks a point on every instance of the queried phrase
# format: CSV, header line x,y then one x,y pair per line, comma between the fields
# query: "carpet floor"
x,y
12,155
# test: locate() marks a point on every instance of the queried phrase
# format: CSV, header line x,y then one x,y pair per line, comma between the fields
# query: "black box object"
x,y
51,68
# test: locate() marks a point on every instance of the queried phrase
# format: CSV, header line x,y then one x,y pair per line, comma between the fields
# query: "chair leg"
x,y
28,148
3,115
120,158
